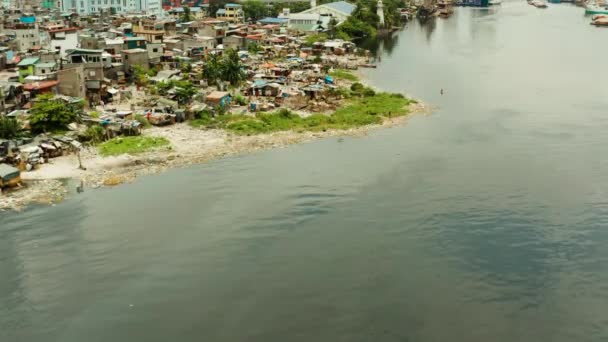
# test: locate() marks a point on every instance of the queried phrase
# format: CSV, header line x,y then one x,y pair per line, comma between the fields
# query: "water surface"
x,y
486,221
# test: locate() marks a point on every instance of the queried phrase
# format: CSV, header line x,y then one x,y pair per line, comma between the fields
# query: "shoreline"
x,y
188,146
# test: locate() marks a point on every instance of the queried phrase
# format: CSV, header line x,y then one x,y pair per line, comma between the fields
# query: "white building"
x,y
340,10
84,7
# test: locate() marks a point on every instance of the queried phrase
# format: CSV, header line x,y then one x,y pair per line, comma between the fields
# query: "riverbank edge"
x,y
46,189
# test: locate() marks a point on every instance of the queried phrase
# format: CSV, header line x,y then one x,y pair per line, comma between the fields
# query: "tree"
x,y
254,48
49,114
255,9
333,22
231,67
214,5
212,69
140,75
184,91
356,28
9,128
187,16
294,7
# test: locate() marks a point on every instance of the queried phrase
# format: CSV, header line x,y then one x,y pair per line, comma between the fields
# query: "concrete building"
x,y
71,81
93,62
46,69
26,67
340,10
152,31
26,37
133,57
84,7
155,52
234,42
232,13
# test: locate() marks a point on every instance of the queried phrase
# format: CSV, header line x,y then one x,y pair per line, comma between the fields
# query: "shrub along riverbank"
x,y
362,107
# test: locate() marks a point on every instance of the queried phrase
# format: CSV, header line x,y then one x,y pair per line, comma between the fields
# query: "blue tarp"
x,y
28,20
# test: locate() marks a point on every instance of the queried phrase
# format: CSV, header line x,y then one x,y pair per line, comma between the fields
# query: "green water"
x,y
485,221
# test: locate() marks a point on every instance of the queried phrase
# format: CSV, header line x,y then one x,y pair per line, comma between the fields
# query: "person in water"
x,y
441,91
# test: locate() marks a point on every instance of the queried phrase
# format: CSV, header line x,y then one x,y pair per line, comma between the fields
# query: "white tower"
x,y
380,13
313,3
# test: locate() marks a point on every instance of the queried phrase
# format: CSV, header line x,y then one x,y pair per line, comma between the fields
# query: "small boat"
x,y
595,9
538,3
494,2
602,21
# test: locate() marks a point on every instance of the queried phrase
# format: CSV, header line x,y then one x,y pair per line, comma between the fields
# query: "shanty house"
x,y
26,67
218,98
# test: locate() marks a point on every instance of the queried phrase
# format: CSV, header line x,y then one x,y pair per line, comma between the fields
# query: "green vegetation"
x,y
364,21
187,16
294,7
142,121
240,100
315,38
363,108
94,134
344,74
131,145
228,68
49,114
9,128
255,10
254,48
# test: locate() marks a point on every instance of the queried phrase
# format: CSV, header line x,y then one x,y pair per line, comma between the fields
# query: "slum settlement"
x,y
76,79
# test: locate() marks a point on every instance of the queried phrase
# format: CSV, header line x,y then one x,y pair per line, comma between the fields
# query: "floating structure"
x,y
595,9
538,3
472,3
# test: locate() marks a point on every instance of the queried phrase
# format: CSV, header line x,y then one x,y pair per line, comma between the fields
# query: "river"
x,y
484,221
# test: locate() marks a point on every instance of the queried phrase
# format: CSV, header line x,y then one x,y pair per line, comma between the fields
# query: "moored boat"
x,y
538,3
602,21
595,9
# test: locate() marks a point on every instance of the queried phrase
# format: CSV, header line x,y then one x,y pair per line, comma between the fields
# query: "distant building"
x,y
340,10
84,7
133,57
232,13
27,37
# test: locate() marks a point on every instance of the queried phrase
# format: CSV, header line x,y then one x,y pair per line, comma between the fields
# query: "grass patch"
x,y
344,75
131,145
360,110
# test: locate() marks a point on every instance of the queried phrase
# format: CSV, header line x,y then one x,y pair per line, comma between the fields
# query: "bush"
x,y
94,134
240,100
142,121
49,114
357,87
315,38
9,128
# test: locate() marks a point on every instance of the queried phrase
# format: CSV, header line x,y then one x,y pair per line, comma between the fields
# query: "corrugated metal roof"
x,y
342,6
273,20
46,65
28,61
